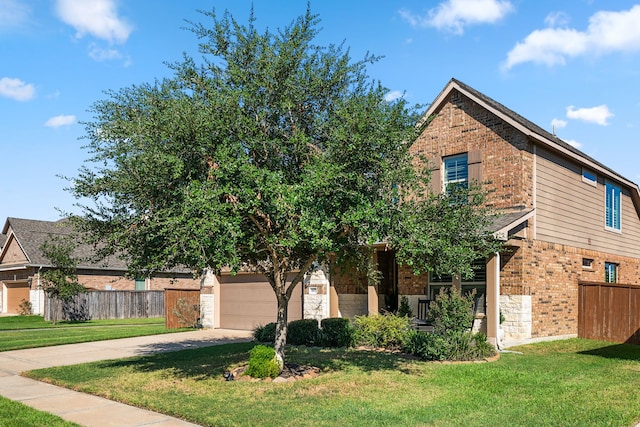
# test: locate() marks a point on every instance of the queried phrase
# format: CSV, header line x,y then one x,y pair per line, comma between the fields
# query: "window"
x,y
612,206
610,272
587,263
456,172
140,284
478,283
589,177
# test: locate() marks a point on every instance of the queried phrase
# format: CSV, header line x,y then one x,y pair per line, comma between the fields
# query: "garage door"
x,y
16,293
247,300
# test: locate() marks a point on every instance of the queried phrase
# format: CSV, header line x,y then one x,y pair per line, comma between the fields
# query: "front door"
x,y
388,287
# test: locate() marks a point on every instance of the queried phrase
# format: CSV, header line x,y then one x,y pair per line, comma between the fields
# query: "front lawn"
x,y
15,414
10,323
571,383
20,332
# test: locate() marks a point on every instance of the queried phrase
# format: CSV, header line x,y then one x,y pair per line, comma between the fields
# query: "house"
x,y
566,220
22,262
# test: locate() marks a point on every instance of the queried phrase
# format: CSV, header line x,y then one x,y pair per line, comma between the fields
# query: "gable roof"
x,y
31,234
531,130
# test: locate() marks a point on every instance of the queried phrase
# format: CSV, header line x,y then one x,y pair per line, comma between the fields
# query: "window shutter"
x,y
474,163
436,184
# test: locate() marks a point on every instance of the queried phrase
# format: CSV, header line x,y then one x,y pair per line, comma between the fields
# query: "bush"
x,y
450,346
24,309
266,333
451,312
262,362
384,330
336,332
426,345
404,309
303,332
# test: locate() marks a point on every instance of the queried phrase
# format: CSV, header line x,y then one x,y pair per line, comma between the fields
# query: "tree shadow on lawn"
x,y
615,351
211,362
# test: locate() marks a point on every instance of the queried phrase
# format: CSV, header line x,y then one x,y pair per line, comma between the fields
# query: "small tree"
x,y
60,281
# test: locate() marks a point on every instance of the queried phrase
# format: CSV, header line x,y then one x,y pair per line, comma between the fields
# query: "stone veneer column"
x,y
209,300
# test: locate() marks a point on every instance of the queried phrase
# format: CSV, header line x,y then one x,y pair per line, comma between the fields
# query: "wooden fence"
x,y
609,312
182,308
109,305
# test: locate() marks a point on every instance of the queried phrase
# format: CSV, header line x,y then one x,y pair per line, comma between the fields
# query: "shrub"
x,y
262,362
336,332
24,309
266,333
450,346
404,309
451,312
426,345
382,330
303,332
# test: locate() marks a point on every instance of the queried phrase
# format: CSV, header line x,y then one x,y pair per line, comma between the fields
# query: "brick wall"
x,y
507,161
102,280
550,274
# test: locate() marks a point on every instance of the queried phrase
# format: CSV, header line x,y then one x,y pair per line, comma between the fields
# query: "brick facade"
x,y
462,126
543,272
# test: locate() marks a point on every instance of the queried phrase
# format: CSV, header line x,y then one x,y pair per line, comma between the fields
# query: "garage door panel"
x,y
247,301
16,293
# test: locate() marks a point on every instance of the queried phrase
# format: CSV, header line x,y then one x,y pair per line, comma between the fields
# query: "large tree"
x,y
270,153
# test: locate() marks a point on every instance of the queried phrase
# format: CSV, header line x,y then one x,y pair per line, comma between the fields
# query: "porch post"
x,y
493,299
334,301
372,299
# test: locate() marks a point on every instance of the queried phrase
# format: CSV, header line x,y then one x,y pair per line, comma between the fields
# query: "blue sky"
x,y
572,65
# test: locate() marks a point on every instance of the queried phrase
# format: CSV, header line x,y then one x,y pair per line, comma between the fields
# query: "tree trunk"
x,y
54,310
281,327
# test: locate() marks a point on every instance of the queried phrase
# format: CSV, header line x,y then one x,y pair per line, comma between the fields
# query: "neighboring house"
x,y
22,261
565,219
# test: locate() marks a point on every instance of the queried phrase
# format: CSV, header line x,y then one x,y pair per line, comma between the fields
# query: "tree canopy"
x,y
270,152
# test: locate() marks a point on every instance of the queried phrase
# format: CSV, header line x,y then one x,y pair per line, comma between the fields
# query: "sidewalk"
x,y
88,410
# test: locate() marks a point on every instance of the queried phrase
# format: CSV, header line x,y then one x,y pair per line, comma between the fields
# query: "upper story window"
x,y
589,177
610,272
612,206
456,171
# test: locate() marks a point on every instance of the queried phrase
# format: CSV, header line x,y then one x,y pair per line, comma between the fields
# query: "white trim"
x,y
503,233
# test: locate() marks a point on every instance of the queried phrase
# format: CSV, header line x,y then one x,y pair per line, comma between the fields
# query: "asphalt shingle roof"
x,y
31,234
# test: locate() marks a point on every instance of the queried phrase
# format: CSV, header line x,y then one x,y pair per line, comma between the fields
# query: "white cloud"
x,y
393,95
454,15
99,54
573,143
558,123
16,89
13,14
556,19
598,115
58,121
96,17
607,32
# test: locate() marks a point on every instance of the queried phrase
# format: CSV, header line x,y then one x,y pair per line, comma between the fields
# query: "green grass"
x,y
569,383
20,332
15,414
10,323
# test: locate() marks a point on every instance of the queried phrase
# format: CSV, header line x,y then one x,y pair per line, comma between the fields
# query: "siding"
x,y
571,212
